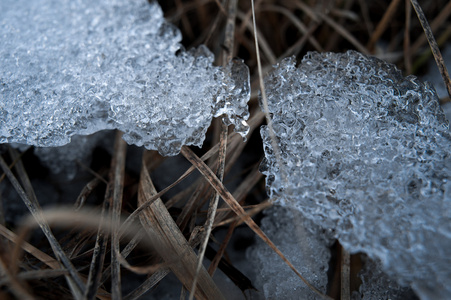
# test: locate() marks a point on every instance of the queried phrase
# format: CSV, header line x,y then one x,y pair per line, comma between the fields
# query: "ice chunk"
x,y
368,156
303,243
78,67
377,285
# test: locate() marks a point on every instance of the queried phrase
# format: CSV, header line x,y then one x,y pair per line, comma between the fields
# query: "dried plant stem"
x,y
433,44
169,241
229,44
17,287
41,256
272,135
214,264
117,181
407,51
343,32
234,205
212,206
380,28
435,24
75,283
148,284
296,22
97,260
345,274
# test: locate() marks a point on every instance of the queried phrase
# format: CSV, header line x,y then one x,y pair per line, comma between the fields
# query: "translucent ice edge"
x,y
78,67
368,156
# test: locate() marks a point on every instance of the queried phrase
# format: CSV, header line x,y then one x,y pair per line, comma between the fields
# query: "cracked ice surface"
x,y
368,156
78,67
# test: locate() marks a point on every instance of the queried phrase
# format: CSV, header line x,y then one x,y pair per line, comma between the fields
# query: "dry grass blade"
x,y
39,274
433,44
234,137
251,212
148,284
215,262
86,191
272,135
41,256
98,258
32,204
117,180
297,47
17,159
213,204
242,190
169,241
407,52
435,24
126,252
230,200
383,23
111,209
343,13
344,32
266,48
90,219
16,285
296,22
345,274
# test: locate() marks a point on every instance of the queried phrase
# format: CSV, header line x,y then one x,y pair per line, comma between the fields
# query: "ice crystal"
x,y
377,285
78,67
303,243
366,153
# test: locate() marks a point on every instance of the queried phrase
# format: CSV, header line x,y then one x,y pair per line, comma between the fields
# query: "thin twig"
x,y
435,24
345,274
433,44
231,201
407,51
380,28
272,134
32,204
169,241
41,256
117,179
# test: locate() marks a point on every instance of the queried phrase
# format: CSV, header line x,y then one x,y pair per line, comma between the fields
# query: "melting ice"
x,y
368,156
78,67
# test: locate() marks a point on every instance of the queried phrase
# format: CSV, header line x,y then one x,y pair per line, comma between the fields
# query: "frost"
x,y
368,156
78,67
303,243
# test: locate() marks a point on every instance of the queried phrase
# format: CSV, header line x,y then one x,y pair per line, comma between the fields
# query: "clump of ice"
x,y
78,67
377,285
303,243
367,153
